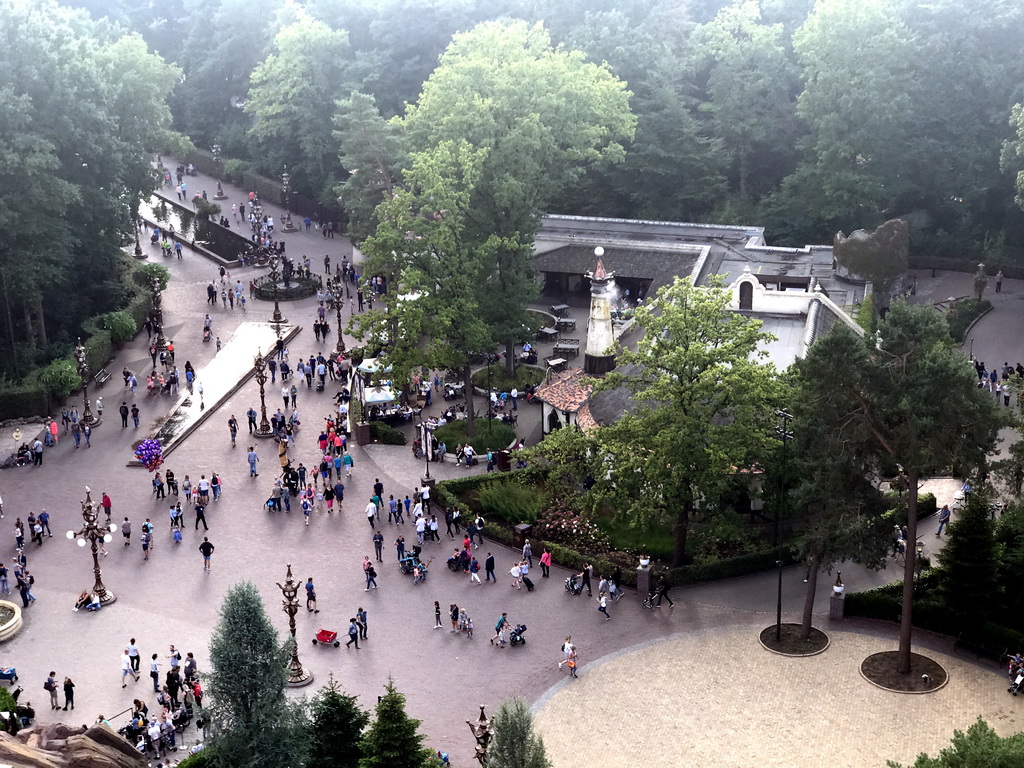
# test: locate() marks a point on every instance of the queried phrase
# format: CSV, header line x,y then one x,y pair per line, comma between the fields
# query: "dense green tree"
x,y
371,156
1010,541
252,723
515,744
541,117
335,728
968,566
705,404
84,106
430,315
904,399
393,739
979,747
843,509
750,83
292,96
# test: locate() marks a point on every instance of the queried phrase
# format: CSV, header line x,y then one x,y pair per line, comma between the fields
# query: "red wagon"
x,y
327,637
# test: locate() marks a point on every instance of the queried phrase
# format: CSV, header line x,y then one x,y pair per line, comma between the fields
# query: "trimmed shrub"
x,y
235,170
511,502
386,434
526,375
60,377
28,398
121,325
99,350
963,313
143,274
491,435
866,314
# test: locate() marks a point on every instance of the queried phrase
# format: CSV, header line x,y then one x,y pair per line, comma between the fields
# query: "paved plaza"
x,y
687,686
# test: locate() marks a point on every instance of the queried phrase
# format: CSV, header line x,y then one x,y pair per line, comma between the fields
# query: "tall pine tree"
x,y
335,728
514,744
968,566
393,741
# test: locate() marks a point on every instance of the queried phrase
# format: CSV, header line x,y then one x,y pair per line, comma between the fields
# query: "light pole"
x,y
156,315
785,434
426,436
340,348
482,730
216,161
297,676
286,187
94,533
83,372
138,245
260,364
276,318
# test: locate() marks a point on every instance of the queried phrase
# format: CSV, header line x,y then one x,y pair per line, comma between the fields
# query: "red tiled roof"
x,y
565,391
585,420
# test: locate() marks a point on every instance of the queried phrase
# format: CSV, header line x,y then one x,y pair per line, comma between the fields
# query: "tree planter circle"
x,y
791,643
926,675
10,620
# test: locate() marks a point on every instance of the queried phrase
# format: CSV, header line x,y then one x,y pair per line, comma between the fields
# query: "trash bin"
x,y
504,465
521,533
363,433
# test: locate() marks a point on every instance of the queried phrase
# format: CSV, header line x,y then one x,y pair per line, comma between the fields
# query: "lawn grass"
x,y
660,545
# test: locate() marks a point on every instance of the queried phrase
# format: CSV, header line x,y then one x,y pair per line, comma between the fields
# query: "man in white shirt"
x,y
421,527
371,512
515,398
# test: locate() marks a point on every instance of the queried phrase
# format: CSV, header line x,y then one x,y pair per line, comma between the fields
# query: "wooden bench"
x,y
101,377
980,649
567,347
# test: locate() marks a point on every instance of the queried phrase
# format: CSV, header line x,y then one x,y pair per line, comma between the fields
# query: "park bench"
x,y
101,377
979,648
567,347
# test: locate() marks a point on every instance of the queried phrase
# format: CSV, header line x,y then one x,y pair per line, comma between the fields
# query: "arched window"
x,y
746,295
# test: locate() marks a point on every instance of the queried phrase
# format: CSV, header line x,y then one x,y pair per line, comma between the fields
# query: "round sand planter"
x,y
13,623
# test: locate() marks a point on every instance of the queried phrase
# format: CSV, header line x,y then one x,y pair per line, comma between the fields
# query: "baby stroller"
x,y
206,334
515,637
573,585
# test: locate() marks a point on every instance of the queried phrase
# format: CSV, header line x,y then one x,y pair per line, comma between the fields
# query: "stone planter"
x,y
12,626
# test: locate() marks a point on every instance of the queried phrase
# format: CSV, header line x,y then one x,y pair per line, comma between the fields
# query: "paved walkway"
x,y
169,599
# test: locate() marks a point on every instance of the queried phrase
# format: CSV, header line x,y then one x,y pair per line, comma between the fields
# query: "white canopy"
x,y
378,395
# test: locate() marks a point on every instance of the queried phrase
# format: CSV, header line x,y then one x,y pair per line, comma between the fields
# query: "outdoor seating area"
x,y
567,347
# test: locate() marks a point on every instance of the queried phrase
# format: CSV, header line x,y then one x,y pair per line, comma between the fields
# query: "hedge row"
x,y
447,493
885,603
23,399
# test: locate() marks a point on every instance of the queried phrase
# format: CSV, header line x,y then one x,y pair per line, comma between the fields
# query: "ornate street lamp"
x,y
83,372
286,188
138,245
216,161
482,730
156,315
260,364
276,318
297,676
94,533
783,431
340,348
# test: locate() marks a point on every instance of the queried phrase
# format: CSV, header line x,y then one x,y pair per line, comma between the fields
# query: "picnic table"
x,y
567,347
547,334
559,310
557,363
565,324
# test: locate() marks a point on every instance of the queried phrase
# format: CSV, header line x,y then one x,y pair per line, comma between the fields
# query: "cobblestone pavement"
x,y
169,599
716,698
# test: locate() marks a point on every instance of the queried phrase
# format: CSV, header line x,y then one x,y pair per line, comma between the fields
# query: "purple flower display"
x,y
150,454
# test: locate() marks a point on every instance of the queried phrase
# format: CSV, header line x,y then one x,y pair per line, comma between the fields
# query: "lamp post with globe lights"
x,y
82,366
260,365
93,533
286,188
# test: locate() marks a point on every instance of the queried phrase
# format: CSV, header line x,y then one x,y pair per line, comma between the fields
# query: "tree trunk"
x,y
30,327
510,358
467,380
812,587
682,530
40,320
906,620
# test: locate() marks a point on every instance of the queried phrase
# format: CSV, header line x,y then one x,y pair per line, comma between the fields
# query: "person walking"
x,y
253,458
126,531
361,620
126,668
517,574
437,615
233,429
474,571
944,515
200,510
587,572
147,539
545,563
353,633
602,605
663,587
489,568
311,596
499,630
69,693
528,553
135,415
52,687
371,576
400,547
371,512
206,548
133,654
154,672
378,545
